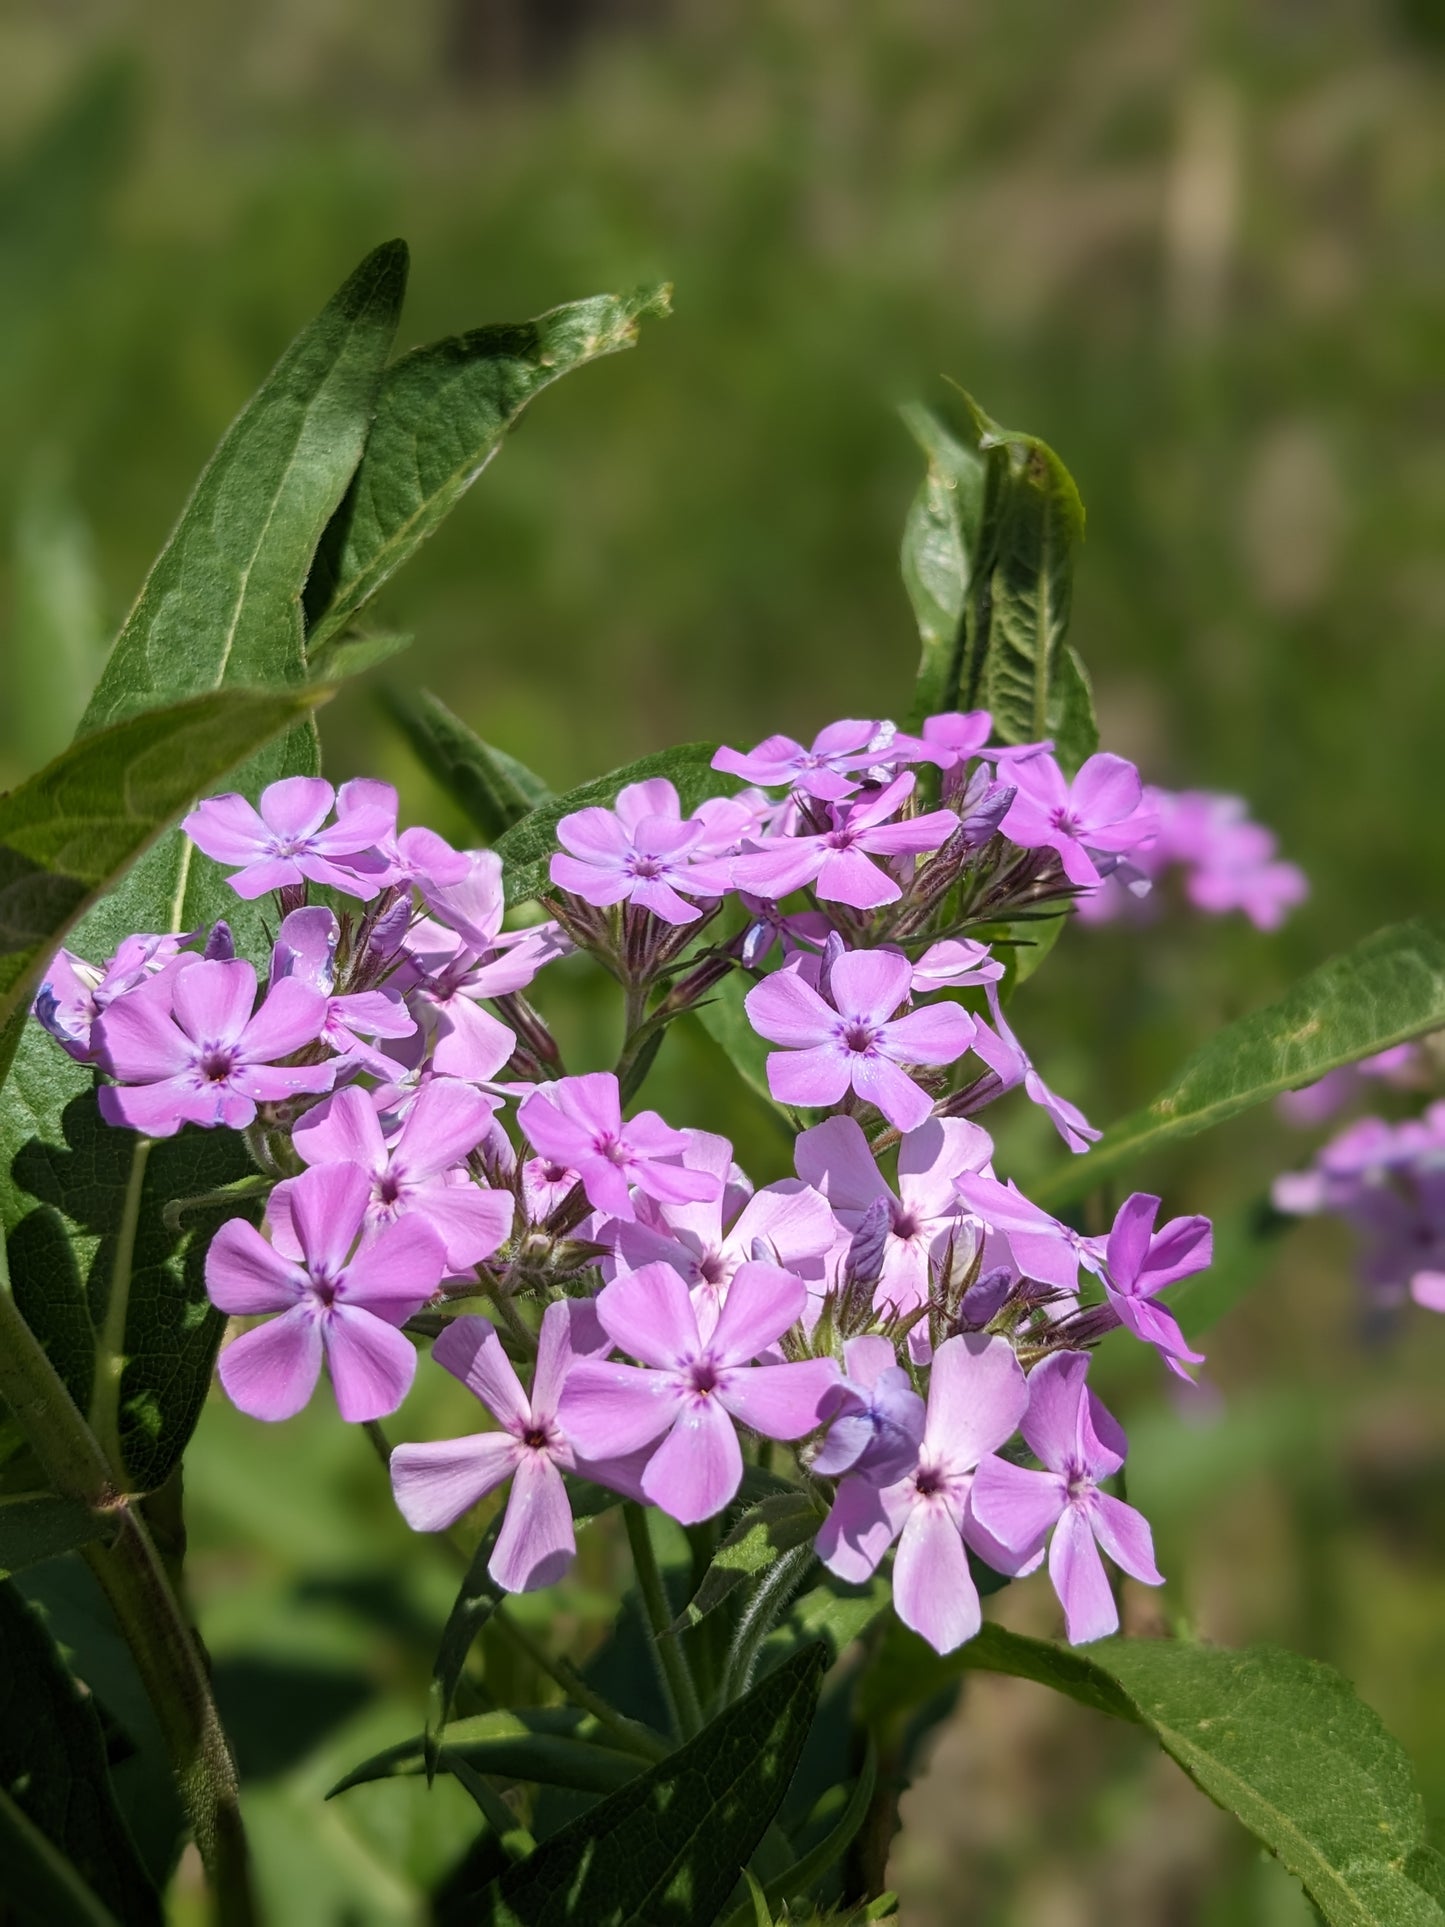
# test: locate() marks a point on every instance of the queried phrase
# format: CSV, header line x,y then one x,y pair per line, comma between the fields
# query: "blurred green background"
x,y
1195,246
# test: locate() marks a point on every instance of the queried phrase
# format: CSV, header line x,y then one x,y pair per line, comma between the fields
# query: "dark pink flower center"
x,y
646,867
538,1438
388,1188
217,1061
906,1224
324,1288
1065,819
1079,1483
702,1376
858,1036
928,1481
712,1268
840,839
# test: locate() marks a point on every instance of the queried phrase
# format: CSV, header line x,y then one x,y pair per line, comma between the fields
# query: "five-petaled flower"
x,y
284,844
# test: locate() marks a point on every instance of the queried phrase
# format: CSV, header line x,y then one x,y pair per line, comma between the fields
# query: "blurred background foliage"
x,y
1197,246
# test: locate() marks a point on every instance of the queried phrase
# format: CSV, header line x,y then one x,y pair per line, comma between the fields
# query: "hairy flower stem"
x,y
677,1681
132,1576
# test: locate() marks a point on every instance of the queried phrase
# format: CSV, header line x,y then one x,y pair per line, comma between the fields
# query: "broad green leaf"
x,y
118,1300
57,634
53,1773
723,1016
222,603
1280,1741
988,559
1386,990
671,1846
441,415
800,1877
940,541
526,849
493,788
78,825
551,1745
35,1526
780,1523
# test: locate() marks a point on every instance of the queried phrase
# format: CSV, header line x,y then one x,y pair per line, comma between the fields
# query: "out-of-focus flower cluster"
x,y
1224,861
1386,1180
897,1312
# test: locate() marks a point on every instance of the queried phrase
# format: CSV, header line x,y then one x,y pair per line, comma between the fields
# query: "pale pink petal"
x,y
860,1528
342,1130
327,1204
291,1016
245,1275
595,835
662,900
698,1467
372,1365
939,1034
833,1157
212,1001
296,806
470,1221
135,1036
271,873
159,1110
914,835
609,1410
1057,1388
1016,1506
790,1218
649,1314
271,1372
1106,790
811,1077
847,876
761,1303
878,1081
869,985
977,1395
778,1401
1080,1580
448,1120
784,866
562,1336
228,829
933,1590
435,1484
394,1273
786,1011
1124,1534
536,1544
1129,1239
589,880
470,1044
653,797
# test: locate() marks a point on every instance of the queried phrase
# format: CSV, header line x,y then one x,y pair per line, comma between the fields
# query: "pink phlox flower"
x,y
186,1049
1044,1249
707,1241
926,1218
823,771
853,1040
955,963
435,1484
577,1123
801,934
416,856
284,844
75,993
977,1395
1079,1444
952,739
1140,1262
837,862
341,1296
417,1170
1100,812
726,820
546,1184
640,851
305,949
874,1417
1006,1057
684,1396
465,949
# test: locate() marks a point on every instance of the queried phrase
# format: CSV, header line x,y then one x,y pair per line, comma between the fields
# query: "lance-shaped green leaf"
x,y
53,1774
116,1297
493,788
526,849
671,1846
441,416
222,603
1280,1741
77,826
550,1745
36,1526
777,1524
852,1806
1386,990
988,560
940,543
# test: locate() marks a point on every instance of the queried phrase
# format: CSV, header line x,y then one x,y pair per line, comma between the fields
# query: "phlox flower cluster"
x,y
1385,1179
624,1305
1224,860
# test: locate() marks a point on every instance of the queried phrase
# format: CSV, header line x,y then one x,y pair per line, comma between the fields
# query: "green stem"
x,y
133,1578
513,1838
677,1680
630,1734
110,1340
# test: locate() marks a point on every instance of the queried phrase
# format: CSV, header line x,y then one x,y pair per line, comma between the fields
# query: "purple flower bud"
x,y
832,951
985,1298
864,1262
983,808
220,945
389,929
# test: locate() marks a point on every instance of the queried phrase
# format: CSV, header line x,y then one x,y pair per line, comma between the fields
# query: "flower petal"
x,y
1125,1536
435,1484
1080,1580
933,1590
1015,1505
859,1529
869,985
813,1077
372,1365
787,1011
245,1275
698,1467
977,1394
470,1350
778,1401
537,1543
609,1409
271,1372
327,1204
212,1001
649,1314
342,1130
